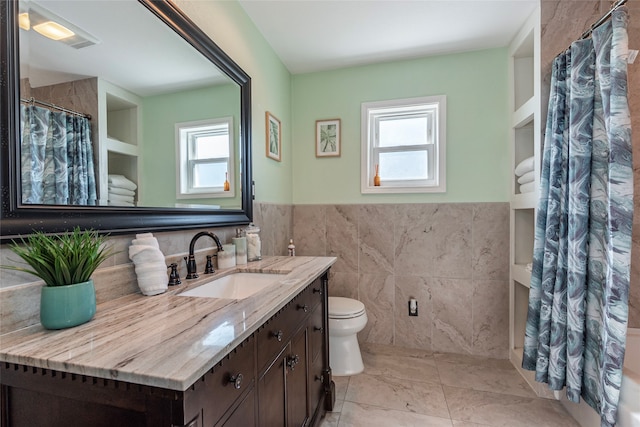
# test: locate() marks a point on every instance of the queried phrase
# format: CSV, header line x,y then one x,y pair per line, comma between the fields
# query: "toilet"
x,y
347,317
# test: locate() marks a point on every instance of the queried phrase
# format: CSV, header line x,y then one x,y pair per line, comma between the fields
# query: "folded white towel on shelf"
x,y
527,188
525,166
122,182
120,198
149,264
527,177
120,203
122,191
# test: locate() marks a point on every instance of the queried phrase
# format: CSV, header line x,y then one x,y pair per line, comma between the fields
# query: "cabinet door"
x,y
297,365
272,406
245,414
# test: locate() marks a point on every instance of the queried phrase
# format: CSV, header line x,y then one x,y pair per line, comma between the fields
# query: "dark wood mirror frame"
x,y
17,219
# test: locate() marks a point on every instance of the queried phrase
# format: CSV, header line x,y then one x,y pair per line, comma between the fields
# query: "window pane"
x,y
209,174
211,146
402,131
404,165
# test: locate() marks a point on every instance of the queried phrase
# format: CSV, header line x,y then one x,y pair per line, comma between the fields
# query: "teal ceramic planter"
x,y
67,306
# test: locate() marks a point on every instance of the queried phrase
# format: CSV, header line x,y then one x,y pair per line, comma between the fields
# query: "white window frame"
x,y
371,114
184,165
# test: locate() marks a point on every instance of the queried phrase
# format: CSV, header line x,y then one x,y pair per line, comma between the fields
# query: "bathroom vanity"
x,y
172,360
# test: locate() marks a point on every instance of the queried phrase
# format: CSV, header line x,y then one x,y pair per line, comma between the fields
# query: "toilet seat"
x,y
345,308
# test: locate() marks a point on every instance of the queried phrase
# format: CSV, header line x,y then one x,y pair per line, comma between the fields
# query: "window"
x,y
205,158
404,140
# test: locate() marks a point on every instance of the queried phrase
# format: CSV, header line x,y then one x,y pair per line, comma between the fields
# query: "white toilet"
x,y
347,317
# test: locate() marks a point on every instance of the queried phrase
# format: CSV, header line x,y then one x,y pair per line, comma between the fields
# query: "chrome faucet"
x,y
191,261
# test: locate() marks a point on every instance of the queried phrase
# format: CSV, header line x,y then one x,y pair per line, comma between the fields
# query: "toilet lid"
x,y
344,308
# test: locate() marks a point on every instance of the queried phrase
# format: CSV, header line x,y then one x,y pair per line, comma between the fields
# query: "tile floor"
x,y
402,387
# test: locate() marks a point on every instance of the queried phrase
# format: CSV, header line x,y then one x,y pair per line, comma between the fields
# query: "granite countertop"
x,y
166,340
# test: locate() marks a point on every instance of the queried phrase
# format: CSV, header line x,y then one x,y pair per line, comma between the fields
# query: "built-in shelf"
x,y
525,131
521,275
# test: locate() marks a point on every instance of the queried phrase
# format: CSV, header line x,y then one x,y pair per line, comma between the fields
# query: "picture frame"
x,y
273,137
328,141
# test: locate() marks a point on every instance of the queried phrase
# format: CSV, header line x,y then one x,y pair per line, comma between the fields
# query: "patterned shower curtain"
x,y
578,301
56,158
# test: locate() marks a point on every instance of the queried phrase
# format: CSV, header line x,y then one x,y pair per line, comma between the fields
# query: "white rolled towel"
x,y
148,241
143,235
525,166
122,182
151,271
527,188
527,177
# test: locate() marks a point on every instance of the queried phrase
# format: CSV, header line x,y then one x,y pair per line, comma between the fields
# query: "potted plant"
x,y
65,263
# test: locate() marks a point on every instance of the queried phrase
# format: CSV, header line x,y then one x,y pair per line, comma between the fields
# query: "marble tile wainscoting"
x,y
452,257
20,294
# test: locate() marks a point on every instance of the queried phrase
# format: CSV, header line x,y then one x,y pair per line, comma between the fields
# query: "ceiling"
x,y
315,35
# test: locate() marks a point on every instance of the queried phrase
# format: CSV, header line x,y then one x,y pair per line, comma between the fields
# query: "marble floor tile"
x,y
466,424
478,373
360,415
503,410
341,386
392,393
330,419
401,367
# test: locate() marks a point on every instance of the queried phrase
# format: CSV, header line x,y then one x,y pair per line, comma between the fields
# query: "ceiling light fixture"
x,y
23,21
53,30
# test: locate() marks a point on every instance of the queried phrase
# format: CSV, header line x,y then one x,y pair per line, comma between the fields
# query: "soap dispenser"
x,y
291,248
240,243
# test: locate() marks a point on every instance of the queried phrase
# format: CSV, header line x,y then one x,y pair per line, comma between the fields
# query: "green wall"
x,y
160,114
477,131
475,84
230,27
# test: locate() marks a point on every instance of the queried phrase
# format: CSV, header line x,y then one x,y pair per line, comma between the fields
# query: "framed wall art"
x,y
273,137
328,138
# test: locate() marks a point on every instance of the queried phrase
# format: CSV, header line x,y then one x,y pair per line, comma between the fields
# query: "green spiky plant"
x,y
64,259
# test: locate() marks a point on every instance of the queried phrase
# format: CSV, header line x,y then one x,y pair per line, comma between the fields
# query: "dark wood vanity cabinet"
x,y
288,392
278,376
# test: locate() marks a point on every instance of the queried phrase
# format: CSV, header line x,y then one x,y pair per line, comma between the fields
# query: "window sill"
x,y
402,190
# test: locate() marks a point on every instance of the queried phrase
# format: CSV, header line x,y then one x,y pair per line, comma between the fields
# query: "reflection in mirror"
x,y
139,84
102,108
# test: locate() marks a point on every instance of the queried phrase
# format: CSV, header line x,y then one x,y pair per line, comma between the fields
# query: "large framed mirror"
x,y
154,119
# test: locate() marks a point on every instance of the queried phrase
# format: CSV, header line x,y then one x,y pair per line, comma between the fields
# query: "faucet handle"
x,y
208,268
174,277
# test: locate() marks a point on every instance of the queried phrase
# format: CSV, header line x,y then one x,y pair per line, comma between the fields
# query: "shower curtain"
x,y
56,158
578,300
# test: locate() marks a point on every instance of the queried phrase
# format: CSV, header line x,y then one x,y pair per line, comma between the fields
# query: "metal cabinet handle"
x,y
317,329
317,291
320,378
278,334
236,380
304,308
292,361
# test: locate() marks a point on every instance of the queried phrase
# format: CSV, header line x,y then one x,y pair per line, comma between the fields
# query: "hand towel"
x,y
146,241
122,191
144,235
527,177
122,182
527,188
150,267
525,166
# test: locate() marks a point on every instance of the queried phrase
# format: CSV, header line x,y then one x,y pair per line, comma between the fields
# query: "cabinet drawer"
x,y
316,293
280,328
229,381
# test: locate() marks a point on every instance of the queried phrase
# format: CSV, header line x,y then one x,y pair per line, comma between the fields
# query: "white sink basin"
x,y
235,286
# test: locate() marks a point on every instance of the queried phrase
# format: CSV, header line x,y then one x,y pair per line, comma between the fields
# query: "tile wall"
x,y
453,258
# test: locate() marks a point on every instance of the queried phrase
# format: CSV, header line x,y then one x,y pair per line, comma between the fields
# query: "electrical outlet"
x,y
413,307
